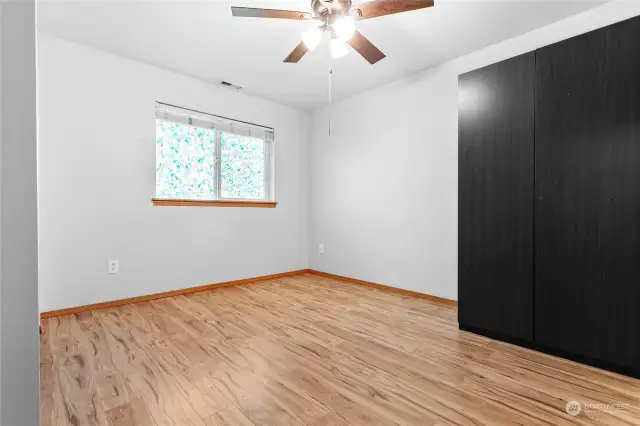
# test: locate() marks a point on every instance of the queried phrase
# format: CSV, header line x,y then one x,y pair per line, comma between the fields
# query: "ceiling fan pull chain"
x,y
330,87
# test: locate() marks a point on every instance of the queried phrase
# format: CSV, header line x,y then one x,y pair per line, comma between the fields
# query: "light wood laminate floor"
x,y
307,350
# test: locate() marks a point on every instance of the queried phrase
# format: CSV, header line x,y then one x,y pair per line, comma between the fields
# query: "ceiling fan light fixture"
x,y
338,48
344,28
312,37
338,21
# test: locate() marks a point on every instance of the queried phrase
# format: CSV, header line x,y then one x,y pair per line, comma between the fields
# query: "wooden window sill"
x,y
213,203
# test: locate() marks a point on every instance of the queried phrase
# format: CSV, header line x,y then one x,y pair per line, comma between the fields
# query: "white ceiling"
x,y
201,39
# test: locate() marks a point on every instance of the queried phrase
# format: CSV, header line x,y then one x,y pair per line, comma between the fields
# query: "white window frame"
x,y
222,125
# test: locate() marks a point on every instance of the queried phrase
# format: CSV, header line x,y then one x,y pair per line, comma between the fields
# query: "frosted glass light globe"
x,y
344,28
312,37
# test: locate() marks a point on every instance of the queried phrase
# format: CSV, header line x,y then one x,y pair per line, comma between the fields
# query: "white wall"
x,y
18,215
97,177
384,184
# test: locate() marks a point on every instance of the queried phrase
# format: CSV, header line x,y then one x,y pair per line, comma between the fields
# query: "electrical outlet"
x,y
113,266
321,249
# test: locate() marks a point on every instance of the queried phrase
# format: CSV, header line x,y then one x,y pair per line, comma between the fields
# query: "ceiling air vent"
x,y
230,85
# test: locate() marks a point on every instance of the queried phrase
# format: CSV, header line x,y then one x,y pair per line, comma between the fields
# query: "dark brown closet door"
x,y
495,199
587,290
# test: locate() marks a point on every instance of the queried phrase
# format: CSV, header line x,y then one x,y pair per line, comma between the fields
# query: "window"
x,y
201,158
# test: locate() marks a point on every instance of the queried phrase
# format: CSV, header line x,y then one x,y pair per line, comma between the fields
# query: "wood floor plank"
x,y
172,363
235,387
47,379
231,416
112,389
167,405
79,393
310,351
127,355
134,413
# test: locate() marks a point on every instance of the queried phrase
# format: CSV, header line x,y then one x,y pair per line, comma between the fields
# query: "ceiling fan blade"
x,y
387,7
365,48
254,12
297,53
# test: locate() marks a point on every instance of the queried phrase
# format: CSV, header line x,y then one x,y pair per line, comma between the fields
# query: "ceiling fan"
x,y
338,20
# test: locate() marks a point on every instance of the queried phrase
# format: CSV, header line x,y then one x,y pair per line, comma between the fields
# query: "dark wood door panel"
x,y
495,235
587,290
